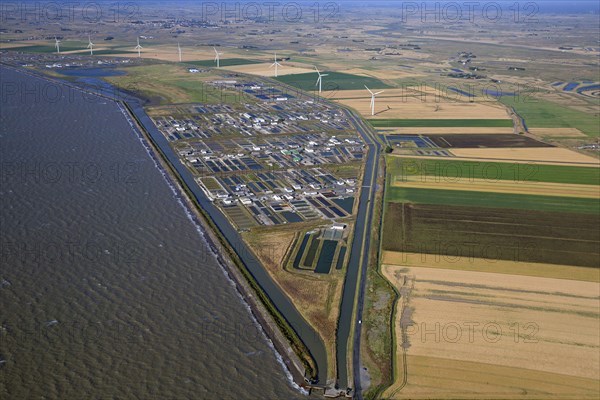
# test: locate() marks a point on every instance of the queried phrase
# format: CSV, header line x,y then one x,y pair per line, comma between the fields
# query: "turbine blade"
x,y
368,89
379,92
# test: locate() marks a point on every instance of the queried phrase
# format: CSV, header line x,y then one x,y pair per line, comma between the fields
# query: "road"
x,y
357,265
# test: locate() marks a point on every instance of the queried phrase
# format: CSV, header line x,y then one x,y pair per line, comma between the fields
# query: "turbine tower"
x,y
275,64
90,45
373,99
57,45
138,47
179,51
319,79
217,57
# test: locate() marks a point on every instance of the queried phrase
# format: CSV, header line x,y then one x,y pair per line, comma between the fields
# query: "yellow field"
x,y
501,186
264,70
364,94
502,160
447,130
387,74
490,265
551,154
402,107
562,132
494,335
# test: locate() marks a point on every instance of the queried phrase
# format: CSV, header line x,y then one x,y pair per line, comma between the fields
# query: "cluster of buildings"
x,y
251,119
284,196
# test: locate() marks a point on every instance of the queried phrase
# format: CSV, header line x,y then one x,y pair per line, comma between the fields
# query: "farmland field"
x,y
382,123
545,114
483,141
413,108
566,190
49,48
466,334
493,200
545,154
445,130
510,267
334,81
496,233
458,170
224,62
265,69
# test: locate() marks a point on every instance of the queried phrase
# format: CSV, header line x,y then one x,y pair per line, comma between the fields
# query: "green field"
x,y
333,82
544,114
171,83
493,200
449,170
131,51
64,46
441,123
225,62
493,233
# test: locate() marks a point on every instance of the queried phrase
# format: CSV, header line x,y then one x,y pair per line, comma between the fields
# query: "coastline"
x,y
282,346
263,318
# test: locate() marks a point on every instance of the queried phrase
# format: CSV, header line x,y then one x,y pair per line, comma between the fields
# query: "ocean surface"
x,y
107,288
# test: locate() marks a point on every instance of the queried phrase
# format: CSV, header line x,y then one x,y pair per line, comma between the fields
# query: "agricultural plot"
x,y
493,200
485,141
542,154
414,108
445,170
49,48
464,334
557,132
483,185
224,62
493,233
539,113
335,81
445,130
441,123
265,69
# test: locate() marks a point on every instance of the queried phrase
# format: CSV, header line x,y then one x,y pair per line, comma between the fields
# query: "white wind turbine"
x,y
179,51
217,57
319,79
57,44
90,45
275,64
138,47
373,99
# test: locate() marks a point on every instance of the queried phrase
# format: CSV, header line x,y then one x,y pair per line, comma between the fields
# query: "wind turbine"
x,y
90,45
138,47
319,79
179,50
373,99
217,59
276,64
57,45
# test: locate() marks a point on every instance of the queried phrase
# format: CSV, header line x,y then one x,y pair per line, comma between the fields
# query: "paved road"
x,y
357,265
